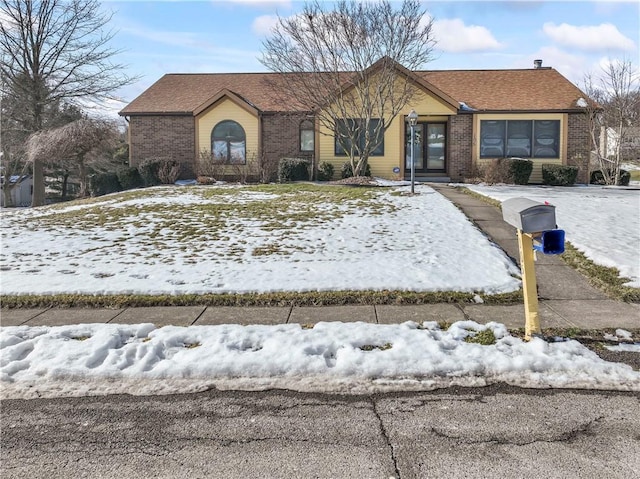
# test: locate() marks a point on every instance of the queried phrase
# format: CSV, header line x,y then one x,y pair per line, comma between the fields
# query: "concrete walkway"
x,y
565,298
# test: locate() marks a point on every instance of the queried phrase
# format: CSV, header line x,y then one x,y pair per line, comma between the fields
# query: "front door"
x,y
429,148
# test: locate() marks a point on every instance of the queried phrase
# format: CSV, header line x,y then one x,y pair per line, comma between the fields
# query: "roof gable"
x,y
423,84
241,102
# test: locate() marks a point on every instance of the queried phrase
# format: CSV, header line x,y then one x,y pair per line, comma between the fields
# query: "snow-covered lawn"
x,y
230,239
350,358
260,239
603,223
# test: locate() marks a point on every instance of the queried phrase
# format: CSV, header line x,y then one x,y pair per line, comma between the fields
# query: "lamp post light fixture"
x,y
413,119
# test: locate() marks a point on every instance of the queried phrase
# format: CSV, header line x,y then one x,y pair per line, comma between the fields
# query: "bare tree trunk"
x,y
65,182
82,171
7,188
38,183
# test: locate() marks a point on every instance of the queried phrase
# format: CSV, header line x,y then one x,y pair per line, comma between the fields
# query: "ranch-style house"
x,y
466,118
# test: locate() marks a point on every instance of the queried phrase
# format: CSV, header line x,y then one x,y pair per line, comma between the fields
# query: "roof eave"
x,y
550,110
155,113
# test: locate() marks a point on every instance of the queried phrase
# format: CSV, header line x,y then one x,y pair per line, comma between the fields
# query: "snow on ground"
x,y
181,240
396,241
603,223
625,340
95,359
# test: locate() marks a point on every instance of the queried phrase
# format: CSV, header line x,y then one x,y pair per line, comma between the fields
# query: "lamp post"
x,y
413,118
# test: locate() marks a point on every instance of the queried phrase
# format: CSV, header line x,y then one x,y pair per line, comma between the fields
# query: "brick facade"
x,y
281,139
579,145
460,147
163,136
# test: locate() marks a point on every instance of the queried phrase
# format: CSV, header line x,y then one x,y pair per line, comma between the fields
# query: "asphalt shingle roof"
x,y
503,90
490,90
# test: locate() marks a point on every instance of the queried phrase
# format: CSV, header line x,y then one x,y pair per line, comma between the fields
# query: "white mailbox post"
x,y
537,231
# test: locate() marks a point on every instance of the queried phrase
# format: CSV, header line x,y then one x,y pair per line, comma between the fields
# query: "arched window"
x,y
307,136
229,143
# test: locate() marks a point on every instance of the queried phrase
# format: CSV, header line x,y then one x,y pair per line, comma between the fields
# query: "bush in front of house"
x,y
347,171
159,171
169,171
325,171
597,178
293,169
559,175
507,170
129,178
519,170
103,183
148,170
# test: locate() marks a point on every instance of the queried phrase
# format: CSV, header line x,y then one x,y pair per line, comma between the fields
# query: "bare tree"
x,y
616,92
53,51
77,144
351,66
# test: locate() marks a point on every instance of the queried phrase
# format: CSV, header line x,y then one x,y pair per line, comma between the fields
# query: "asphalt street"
x,y
492,432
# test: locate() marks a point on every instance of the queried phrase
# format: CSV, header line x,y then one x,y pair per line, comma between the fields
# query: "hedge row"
x,y
149,173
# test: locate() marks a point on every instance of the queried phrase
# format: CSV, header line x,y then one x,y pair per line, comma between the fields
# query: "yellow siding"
x,y
425,105
228,110
536,174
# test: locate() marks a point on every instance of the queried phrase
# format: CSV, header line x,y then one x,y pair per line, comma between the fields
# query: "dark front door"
x,y
429,148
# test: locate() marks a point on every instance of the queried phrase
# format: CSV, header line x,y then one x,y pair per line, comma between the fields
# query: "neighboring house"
x,y
629,146
466,118
21,190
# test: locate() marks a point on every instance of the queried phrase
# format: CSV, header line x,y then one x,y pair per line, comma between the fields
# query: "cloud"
x,y
453,36
572,66
264,24
601,37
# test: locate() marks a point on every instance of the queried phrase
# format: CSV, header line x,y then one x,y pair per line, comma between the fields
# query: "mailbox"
x,y
536,225
529,216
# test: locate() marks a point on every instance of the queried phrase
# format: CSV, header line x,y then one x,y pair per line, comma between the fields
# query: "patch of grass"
x,y
635,175
571,332
444,325
267,250
311,298
80,338
484,337
371,347
486,199
606,279
191,345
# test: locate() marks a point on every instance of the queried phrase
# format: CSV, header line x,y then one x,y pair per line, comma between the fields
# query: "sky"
x,y
575,37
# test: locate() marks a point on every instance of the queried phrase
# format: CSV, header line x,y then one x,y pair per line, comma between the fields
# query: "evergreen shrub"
x,y
559,175
325,171
129,178
103,183
597,178
148,170
293,169
519,170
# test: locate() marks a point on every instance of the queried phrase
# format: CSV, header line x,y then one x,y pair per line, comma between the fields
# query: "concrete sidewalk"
x,y
566,299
